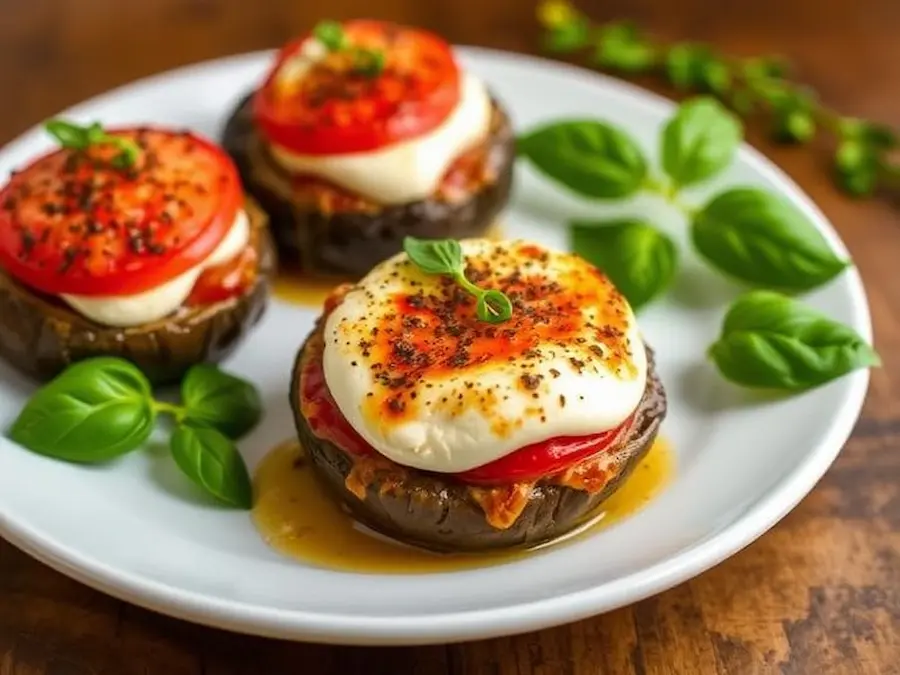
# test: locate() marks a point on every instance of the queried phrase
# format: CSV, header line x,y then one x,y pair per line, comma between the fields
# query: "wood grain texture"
x,y
820,593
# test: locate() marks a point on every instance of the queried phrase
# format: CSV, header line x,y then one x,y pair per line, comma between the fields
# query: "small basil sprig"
x,y
639,259
757,87
366,61
102,408
444,256
770,341
77,137
591,158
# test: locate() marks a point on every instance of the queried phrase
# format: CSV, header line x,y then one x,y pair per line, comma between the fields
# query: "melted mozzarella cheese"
x,y
124,311
409,170
428,385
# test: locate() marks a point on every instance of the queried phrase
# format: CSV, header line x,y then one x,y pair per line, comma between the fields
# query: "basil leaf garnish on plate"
x,y
591,158
760,238
219,400
699,141
639,259
770,341
95,411
212,462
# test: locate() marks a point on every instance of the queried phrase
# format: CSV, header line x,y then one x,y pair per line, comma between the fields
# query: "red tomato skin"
x,y
393,107
545,458
100,231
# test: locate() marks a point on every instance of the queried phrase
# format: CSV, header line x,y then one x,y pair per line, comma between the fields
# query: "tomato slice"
x,y
73,223
542,459
325,107
532,462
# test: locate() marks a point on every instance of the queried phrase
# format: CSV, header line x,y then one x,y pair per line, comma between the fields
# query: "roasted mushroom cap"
x,y
348,242
40,335
435,512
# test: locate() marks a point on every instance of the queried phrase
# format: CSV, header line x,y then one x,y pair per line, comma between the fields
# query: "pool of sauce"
x,y
292,286
297,517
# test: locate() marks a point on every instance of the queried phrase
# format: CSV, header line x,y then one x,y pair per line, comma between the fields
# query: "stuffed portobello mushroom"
x,y
449,428
363,133
137,243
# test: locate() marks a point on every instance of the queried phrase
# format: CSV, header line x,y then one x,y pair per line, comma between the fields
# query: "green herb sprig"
x,y
444,256
862,149
746,233
100,409
77,137
366,61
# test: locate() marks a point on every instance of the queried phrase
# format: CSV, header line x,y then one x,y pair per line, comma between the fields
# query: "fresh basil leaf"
x,y
95,133
715,76
622,47
213,463
77,137
764,68
434,256
875,136
639,259
220,400
759,238
593,159
331,34
858,167
569,36
94,411
770,341
793,125
69,135
685,63
699,141
494,307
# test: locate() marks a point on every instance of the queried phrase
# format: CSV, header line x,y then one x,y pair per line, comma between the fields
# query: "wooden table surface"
x,y
820,593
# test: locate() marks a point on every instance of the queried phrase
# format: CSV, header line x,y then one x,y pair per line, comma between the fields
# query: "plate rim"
x,y
244,617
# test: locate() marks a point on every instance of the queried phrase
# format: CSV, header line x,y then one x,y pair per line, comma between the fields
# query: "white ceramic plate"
x,y
130,530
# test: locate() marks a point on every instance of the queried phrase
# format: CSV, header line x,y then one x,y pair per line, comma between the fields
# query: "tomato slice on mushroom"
x,y
545,458
73,223
316,102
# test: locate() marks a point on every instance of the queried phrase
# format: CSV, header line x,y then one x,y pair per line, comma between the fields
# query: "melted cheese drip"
x,y
429,386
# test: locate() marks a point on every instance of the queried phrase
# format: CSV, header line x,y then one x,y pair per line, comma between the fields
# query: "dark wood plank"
x,y
819,593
